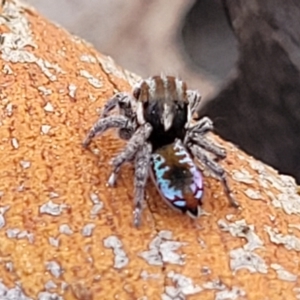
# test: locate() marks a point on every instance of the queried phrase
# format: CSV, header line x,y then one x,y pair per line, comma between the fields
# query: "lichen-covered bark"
x,y
65,234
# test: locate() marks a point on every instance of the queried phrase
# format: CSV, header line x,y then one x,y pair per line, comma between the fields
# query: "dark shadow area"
x,y
208,39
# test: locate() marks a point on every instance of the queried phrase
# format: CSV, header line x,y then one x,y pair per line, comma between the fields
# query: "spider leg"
x,y
216,169
111,104
142,162
194,99
103,124
137,140
201,126
209,146
196,134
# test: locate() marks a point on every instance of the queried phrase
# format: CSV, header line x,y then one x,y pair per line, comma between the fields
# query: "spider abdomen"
x,y
177,178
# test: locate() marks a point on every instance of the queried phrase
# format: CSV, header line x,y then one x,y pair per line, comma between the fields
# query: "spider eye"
x,y
136,93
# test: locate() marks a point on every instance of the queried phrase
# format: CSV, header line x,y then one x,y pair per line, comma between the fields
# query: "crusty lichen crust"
x,y
64,233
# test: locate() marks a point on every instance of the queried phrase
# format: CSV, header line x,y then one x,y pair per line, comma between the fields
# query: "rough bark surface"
x,y
259,109
65,235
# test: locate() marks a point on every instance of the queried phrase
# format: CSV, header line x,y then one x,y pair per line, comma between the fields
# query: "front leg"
x,y
137,140
142,164
103,124
124,101
111,104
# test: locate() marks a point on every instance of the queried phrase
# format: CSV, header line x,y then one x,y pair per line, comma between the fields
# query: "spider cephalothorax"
x,y
162,140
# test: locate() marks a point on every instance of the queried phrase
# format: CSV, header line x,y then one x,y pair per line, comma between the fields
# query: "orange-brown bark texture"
x,y
65,235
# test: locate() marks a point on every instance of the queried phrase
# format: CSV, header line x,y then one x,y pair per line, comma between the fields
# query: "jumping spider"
x,y
156,119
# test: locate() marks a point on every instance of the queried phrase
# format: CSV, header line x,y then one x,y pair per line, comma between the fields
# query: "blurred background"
x,y
186,38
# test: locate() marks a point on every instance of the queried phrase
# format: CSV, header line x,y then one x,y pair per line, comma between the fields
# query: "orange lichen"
x,y
63,231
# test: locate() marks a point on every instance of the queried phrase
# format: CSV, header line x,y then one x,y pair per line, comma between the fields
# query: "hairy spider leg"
x,y
125,102
104,124
110,104
199,153
202,126
128,153
196,134
142,164
194,99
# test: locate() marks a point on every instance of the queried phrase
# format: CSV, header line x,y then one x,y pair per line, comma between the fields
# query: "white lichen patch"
x,y
257,166
263,182
243,259
290,203
96,83
65,229
9,266
45,67
243,176
54,268
18,25
183,286
7,70
205,270
95,210
97,205
296,290
92,98
50,285
49,296
253,194
94,198
14,293
44,90
53,195
289,199
113,242
272,218
3,210
275,181
242,229
48,107
9,109
288,181
87,229
72,90
52,208
162,250
295,226
202,243
17,233
88,58
290,242
14,44
45,129
234,294
214,285
15,143
145,275
54,241
283,274
110,67
25,164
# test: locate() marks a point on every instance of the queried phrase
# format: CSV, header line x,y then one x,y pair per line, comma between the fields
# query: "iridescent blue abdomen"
x,y
177,178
